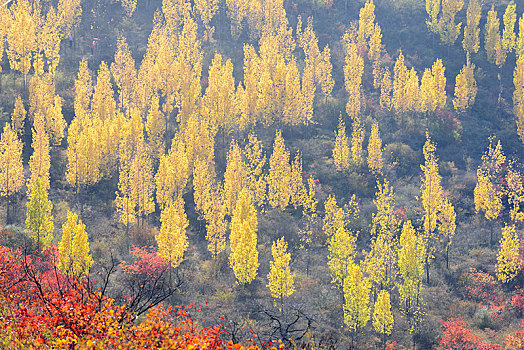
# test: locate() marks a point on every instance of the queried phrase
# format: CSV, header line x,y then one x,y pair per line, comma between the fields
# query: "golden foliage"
x,y
465,88
243,240
341,250
279,180
341,152
74,257
255,162
173,173
366,21
11,167
518,95
18,116
471,42
492,34
508,34
446,27
356,295
280,278
357,139
375,150
508,258
235,177
382,316
172,239
40,161
353,70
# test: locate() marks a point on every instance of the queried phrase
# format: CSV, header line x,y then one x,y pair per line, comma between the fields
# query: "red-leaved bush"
x,y
456,336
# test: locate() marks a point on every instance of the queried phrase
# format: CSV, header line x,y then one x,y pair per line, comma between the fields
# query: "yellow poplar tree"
x,y
216,225
69,13
172,239
357,139
382,316
83,89
353,70
280,278
518,96
341,152
237,10
400,81
356,296
375,150
103,105
155,129
142,185
465,88
333,217
83,154
203,181
18,116
298,190
55,121
207,10
173,173
39,221
492,34
411,267
243,240
6,22
341,250
40,162
235,177
509,262
49,40
21,36
219,100
74,257
515,193
519,45
433,10
125,205
431,197
447,225
385,90
125,75
380,261
471,42
279,180
366,21
486,196
255,162
438,70
446,27
412,93
375,44
11,167
427,99
508,34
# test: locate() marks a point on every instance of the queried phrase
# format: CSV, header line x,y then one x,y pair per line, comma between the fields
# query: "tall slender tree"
x,y
11,167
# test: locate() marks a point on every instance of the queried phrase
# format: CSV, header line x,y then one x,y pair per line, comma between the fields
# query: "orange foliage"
x,y
40,308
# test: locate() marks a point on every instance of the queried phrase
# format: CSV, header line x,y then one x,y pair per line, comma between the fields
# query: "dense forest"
x,y
262,174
